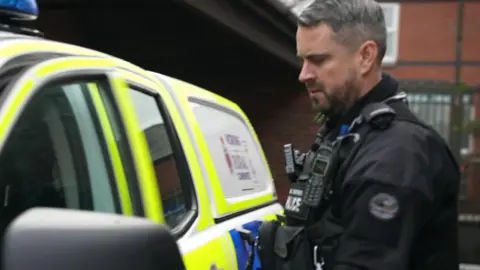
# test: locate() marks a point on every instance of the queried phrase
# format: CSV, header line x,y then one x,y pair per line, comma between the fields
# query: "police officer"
x,y
396,204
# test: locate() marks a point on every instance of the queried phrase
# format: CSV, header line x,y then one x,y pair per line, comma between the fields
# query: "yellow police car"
x,y
80,129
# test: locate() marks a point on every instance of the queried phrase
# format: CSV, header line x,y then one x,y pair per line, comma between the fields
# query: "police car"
x,y
83,130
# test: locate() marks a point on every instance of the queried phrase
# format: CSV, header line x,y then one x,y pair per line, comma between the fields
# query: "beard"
x,y
339,99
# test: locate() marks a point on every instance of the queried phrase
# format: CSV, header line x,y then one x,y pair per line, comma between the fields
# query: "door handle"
x,y
247,236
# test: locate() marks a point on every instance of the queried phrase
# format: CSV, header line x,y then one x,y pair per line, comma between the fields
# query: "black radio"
x,y
316,182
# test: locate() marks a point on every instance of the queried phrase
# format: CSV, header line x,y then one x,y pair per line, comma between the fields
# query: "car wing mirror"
x,y
60,239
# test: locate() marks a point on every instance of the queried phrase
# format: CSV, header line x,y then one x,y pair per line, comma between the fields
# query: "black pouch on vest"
x,y
266,244
284,247
293,249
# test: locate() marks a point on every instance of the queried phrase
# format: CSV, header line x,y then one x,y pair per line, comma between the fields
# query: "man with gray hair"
x,y
341,45
386,196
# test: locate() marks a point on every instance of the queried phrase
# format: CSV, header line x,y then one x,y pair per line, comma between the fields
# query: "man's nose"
x,y
306,74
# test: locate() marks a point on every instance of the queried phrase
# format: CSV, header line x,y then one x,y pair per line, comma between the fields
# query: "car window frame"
x,y
19,69
125,149
58,80
181,162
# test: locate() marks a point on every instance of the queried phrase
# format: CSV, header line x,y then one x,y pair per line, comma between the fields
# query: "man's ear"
x,y
368,53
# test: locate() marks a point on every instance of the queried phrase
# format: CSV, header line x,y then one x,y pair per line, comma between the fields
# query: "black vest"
x,y
294,245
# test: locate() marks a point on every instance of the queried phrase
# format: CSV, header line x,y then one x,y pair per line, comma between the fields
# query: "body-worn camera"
x,y
293,162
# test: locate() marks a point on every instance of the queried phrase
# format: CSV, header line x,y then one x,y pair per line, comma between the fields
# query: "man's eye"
x,y
318,60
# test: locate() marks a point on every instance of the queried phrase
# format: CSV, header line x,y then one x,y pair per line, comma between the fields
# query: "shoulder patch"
x,y
383,206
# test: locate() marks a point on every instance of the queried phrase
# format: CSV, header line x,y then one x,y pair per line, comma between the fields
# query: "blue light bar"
x,y
19,9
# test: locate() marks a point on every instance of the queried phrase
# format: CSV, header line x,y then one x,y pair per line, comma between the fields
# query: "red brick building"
x,y
424,44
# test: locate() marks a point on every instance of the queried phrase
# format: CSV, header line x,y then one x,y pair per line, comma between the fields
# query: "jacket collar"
x,y
387,87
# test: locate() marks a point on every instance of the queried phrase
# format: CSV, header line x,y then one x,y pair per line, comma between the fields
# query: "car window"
x,y
55,155
172,181
237,157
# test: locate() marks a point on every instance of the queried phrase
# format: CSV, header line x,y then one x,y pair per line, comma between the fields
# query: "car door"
x,y
57,145
170,178
228,149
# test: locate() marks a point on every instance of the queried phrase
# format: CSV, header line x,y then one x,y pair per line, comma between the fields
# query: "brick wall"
x,y
471,48
427,47
427,33
168,178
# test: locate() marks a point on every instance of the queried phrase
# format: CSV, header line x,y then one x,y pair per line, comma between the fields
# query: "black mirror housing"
x,y
59,239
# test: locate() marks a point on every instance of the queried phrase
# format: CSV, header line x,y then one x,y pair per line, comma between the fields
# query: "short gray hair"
x,y
353,21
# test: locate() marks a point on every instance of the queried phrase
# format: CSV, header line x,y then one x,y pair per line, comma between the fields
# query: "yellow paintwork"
x,y
189,90
205,220
202,257
24,90
13,47
148,186
112,149
219,248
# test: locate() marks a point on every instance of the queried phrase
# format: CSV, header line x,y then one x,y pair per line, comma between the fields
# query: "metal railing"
x,y
449,114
